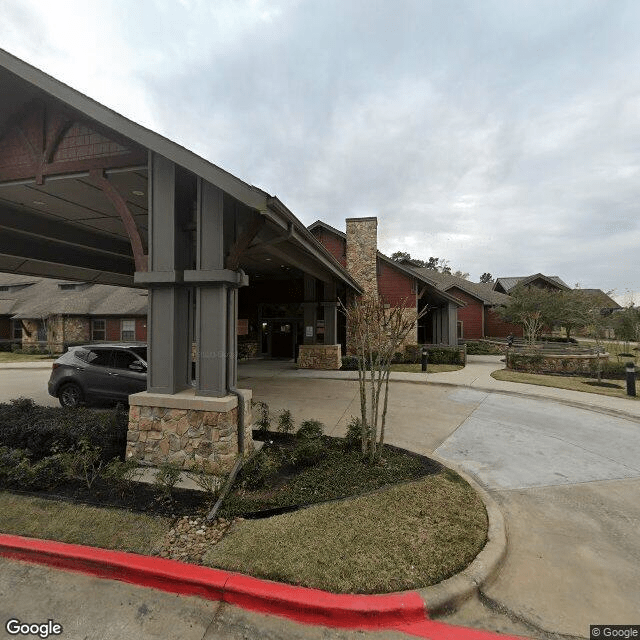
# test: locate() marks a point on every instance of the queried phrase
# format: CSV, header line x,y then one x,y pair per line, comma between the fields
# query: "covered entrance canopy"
x,y
88,195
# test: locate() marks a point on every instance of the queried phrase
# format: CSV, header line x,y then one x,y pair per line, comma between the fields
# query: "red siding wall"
x,y
495,327
470,316
141,329
113,330
335,245
395,287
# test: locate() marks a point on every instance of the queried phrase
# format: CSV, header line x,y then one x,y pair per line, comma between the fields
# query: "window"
x,y
17,330
460,330
98,330
128,331
122,359
97,357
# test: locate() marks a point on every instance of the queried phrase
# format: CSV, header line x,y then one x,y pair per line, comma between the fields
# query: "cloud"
x,y
502,136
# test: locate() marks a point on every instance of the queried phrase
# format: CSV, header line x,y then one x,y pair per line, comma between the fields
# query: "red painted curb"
x,y
399,611
298,603
321,607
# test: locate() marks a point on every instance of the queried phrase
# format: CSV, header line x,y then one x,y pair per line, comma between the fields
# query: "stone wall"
x,y
362,248
206,432
64,330
247,349
320,356
30,332
549,363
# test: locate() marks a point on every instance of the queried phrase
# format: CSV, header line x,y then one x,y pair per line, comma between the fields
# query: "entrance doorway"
x,y
282,339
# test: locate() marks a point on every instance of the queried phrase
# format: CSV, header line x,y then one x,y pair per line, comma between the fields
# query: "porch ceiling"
x,y
68,168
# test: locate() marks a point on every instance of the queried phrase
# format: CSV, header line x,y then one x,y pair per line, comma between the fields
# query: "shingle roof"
x,y
479,290
509,283
605,301
318,224
44,297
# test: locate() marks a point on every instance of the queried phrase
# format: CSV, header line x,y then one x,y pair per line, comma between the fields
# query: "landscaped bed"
x,y
404,537
352,526
616,388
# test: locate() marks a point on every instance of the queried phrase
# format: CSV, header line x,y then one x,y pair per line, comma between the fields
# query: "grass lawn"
x,y
404,537
614,348
404,523
8,356
80,524
431,368
575,383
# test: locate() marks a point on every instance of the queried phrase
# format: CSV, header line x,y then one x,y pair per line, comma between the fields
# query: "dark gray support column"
x,y
232,336
310,304
168,317
330,314
453,324
213,322
167,336
211,338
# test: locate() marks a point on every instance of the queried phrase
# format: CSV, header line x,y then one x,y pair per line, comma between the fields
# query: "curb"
x,y
407,611
452,592
404,612
298,603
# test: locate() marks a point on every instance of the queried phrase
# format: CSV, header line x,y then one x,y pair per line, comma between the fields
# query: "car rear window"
x,y
98,357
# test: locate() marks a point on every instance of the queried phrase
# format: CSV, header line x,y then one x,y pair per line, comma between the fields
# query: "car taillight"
x,y
55,365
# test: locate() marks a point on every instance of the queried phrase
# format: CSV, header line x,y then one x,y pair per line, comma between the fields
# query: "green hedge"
x,y
483,348
413,355
42,431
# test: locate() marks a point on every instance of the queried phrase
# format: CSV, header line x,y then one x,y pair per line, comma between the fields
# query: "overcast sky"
x,y
502,135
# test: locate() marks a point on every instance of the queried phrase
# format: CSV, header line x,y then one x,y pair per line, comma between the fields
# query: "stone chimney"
x,y
362,248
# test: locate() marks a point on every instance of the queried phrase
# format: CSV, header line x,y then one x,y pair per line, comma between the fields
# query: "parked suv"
x,y
99,372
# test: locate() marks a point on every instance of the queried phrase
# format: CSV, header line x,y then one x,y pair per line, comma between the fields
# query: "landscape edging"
x,y
299,603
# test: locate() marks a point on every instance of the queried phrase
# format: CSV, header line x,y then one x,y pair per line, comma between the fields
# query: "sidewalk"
x,y
476,374
36,364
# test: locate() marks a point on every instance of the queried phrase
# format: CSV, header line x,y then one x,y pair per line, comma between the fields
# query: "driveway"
x,y
567,479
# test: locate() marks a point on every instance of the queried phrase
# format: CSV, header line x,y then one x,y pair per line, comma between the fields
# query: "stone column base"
x,y
320,356
186,429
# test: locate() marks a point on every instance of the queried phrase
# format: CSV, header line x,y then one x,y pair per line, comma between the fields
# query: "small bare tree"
x,y
376,332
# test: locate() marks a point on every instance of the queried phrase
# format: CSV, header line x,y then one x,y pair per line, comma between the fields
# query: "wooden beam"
x,y
140,256
243,242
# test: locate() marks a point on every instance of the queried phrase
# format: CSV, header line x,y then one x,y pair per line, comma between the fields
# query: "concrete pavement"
x,y
561,464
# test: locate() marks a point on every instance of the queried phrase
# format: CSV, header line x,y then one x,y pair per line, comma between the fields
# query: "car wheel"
x,y
70,395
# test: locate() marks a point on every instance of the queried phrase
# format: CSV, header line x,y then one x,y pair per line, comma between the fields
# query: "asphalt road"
x,y
29,383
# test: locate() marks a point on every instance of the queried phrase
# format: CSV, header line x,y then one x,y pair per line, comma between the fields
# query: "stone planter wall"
x,y
208,431
551,363
320,356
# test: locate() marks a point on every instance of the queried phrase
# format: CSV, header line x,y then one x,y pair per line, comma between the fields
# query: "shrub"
x,y
120,474
16,470
483,348
208,477
437,355
167,476
285,421
83,463
259,471
44,431
310,429
349,363
353,437
263,422
308,451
